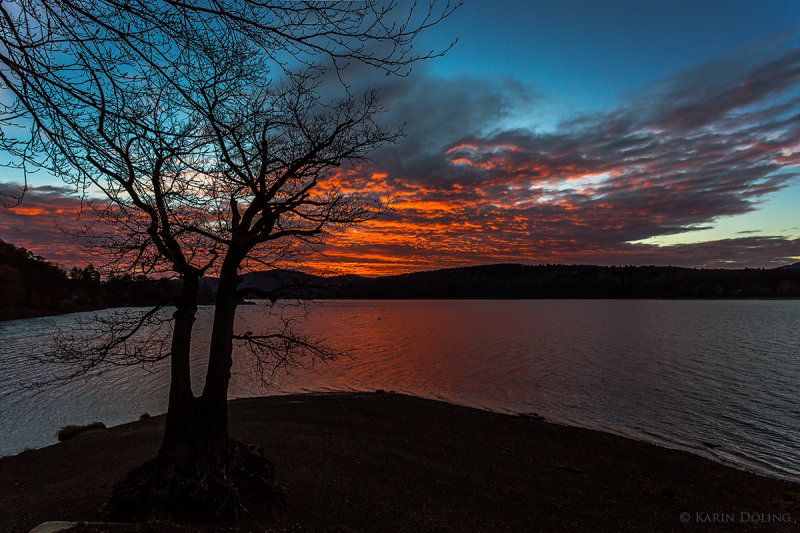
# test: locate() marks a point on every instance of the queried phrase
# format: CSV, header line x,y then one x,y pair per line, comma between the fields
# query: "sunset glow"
x,y
693,163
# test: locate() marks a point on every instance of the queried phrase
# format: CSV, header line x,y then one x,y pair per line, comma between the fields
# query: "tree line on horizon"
x,y
516,281
31,286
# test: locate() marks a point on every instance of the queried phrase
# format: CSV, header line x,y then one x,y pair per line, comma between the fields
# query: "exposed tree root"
x,y
193,485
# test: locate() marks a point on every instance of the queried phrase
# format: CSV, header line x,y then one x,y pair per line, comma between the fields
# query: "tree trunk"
x,y
181,413
199,470
200,425
214,401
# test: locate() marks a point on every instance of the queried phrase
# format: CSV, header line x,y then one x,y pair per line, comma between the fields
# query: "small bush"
x,y
67,432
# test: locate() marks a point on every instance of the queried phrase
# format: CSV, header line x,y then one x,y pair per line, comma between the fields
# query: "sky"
x,y
604,133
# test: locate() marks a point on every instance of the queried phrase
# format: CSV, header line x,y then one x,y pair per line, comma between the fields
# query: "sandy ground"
x,y
387,462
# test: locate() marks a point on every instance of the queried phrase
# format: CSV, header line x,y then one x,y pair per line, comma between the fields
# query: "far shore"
x,y
391,463
24,313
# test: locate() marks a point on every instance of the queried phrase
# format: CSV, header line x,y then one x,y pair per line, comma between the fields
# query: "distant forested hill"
x,y
31,286
28,283
580,281
536,281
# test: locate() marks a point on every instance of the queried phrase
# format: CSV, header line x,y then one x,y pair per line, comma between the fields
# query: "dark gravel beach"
x,y
389,462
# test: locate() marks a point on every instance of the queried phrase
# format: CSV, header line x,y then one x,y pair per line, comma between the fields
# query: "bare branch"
x,y
284,348
127,337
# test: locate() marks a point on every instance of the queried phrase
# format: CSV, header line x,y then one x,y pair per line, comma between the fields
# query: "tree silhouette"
x,y
203,135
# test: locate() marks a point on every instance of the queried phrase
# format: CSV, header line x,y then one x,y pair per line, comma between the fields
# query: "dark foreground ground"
x,y
393,463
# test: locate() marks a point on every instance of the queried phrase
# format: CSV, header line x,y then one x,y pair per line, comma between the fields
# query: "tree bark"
x,y
182,411
214,401
200,425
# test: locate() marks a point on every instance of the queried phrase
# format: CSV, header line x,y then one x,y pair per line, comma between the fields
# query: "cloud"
x,y
465,188
42,222
709,143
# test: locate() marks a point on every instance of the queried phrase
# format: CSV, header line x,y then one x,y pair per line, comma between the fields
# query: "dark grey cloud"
x,y
671,158
676,157
43,221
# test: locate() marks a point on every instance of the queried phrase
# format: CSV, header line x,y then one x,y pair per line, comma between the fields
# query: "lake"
x,y
717,378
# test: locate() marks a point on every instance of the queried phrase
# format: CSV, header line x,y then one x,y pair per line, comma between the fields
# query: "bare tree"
x,y
203,136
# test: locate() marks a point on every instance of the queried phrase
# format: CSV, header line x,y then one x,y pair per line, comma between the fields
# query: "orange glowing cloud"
x,y
660,166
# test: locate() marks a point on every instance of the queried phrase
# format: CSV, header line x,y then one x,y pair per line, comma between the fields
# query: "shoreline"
x,y
702,450
391,462
48,313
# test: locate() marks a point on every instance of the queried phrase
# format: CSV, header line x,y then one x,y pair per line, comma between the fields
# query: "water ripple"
x,y
717,378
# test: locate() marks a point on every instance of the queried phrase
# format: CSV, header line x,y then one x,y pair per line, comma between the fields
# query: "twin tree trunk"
x,y
199,471
200,424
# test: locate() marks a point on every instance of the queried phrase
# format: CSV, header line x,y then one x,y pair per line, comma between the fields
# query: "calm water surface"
x,y
718,378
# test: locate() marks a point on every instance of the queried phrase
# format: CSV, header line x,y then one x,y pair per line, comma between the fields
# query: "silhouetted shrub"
x,y
67,432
